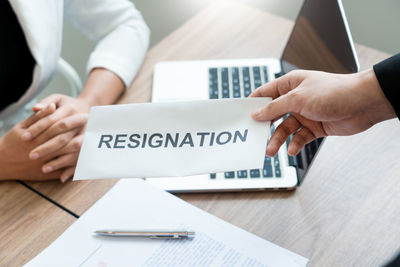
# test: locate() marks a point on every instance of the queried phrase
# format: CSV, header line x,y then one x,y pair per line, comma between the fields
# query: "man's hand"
x,y
14,159
59,134
321,104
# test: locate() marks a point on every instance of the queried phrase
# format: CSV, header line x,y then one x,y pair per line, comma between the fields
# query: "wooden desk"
x,y
28,223
344,214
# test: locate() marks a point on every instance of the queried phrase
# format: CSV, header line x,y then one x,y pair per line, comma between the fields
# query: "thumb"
x,y
274,109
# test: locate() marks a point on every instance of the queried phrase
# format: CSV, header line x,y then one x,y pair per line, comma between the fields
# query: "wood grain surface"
x,y
346,211
28,223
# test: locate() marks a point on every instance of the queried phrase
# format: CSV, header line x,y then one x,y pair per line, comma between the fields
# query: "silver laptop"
x,y
320,40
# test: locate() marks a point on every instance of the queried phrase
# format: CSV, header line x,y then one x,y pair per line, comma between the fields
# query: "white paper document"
x,y
172,139
132,204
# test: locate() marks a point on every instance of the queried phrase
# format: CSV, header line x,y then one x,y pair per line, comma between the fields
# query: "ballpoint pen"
x,y
150,234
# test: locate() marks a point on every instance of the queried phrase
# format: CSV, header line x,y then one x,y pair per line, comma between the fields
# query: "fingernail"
x,y
47,169
269,153
39,106
64,178
52,106
255,113
292,152
34,155
26,136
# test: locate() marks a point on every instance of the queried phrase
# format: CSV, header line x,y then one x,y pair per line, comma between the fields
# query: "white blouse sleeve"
x,y
119,30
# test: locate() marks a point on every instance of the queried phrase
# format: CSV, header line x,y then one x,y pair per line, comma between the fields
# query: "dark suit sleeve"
x,y
395,262
388,74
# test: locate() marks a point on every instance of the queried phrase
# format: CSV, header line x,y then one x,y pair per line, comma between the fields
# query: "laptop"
x,y
320,40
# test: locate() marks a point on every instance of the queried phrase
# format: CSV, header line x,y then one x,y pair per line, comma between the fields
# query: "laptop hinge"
x,y
279,74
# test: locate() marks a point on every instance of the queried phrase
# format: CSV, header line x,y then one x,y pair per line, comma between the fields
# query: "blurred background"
x,y
372,23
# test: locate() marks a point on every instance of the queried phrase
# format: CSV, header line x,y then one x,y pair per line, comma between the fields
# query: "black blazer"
x,y
388,74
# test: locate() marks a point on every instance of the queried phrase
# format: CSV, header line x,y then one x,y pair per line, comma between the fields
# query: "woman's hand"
x,y
61,134
14,152
321,104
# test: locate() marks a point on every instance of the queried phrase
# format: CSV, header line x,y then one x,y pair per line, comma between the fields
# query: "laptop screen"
x,y
320,40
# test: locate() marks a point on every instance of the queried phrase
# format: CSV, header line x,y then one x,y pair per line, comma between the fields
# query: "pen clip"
x,y
166,237
152,235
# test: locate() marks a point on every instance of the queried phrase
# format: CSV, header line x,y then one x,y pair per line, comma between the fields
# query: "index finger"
x,y
279,86
269,89
50,108
44,123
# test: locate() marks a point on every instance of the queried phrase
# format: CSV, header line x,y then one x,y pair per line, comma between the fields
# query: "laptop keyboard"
x,y
237,82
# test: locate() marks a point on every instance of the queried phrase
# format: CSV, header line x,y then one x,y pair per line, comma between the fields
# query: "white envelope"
x,y
172,139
